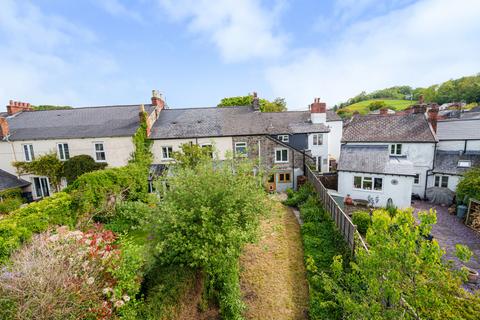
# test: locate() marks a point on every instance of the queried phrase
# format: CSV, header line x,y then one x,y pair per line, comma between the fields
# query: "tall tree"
x,y
277,105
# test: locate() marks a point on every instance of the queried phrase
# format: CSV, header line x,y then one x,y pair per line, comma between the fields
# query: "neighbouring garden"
x,y
403,275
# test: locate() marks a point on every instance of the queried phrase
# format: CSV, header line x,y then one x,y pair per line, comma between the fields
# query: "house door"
x,y
271,185
41,187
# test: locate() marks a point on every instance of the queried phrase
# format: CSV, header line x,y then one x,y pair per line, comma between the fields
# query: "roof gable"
x,y
9,181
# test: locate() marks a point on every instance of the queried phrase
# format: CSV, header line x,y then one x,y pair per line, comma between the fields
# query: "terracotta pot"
x,y
348,200
472,275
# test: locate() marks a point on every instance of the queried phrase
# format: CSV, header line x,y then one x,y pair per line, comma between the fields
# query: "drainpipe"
x,y
430,170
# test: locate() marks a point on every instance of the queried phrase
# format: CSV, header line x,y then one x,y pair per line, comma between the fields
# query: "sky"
x,y
195,52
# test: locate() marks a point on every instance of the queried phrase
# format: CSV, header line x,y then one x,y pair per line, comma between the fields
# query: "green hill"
x,y
362,106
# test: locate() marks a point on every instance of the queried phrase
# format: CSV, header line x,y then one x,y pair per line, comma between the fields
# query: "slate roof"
x,y
88,122
458,129
373,159
9,181
447,161
231,121
412,127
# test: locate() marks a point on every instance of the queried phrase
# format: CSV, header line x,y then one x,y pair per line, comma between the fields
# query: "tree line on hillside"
x,y
277,105
465,89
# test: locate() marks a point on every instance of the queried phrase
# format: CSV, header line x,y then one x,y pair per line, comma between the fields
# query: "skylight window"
x,y
464,163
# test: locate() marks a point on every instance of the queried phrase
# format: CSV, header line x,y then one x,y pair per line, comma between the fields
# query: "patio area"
x,y
450,231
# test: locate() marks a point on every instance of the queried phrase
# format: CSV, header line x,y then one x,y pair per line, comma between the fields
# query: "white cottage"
x,y
389,144
104,133
458,150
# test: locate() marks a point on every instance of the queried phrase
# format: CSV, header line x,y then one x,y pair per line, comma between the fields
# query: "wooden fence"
x,y
345,225
343,222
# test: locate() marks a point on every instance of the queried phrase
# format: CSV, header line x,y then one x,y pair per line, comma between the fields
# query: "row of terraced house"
x,y
382,157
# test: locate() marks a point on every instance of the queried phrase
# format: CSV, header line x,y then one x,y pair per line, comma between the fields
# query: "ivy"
x,y
78,165
47,165
142,154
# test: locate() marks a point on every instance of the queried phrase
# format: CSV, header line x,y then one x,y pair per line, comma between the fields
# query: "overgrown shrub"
x,y
296,198
10,200
362,220
469,185
78,165
36,217
130,215
71,275
99,191
208,213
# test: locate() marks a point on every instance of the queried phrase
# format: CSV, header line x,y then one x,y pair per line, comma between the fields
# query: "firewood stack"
x,y
474,216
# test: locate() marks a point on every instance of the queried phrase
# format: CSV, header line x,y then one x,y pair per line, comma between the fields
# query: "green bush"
x,y
78,165
98,191
205,218
129,215
469,185
362,220
10,200
36,217
296,198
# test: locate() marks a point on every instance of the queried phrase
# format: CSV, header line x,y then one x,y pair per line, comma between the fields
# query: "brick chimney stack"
x,y
255,102
17,106
4,130
318,111
157,100
433,117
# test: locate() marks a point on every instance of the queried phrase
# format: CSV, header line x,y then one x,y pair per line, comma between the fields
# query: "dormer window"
x,y
283,138
396,149
464,163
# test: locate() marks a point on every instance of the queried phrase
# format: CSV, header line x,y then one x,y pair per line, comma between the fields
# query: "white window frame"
x,y
318,163
42,192
284,138
396,149
371,179
169,150
281,155
439,181
464,164
96,152
416,178
61,151
317,139
28,153
241,144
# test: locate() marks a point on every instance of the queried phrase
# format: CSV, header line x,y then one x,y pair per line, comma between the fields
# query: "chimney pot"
x,y
433,117
317,106
157,99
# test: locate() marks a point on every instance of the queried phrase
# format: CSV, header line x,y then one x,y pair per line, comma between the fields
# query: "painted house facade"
x,y
104,133
281,142
458,150
397,148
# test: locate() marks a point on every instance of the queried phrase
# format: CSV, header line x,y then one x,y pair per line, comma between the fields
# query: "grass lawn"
x,y
362,106
273,276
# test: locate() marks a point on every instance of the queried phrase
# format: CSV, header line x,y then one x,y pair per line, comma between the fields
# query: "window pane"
x,y
60,152
315,139
399,149
32,155
392,149
437,181
66,151
287,177
444,181
271,178
38,188
357,182
45,189
320,139
416,179
281,177
378,183
27,152
367,183
284,155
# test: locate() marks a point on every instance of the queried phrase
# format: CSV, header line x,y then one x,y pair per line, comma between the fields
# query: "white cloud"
x,y
239,29
422,44
118,9
45,59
